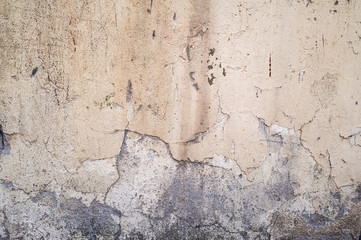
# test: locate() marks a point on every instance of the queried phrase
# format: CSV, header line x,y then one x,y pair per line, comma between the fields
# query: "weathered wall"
x,y
194,119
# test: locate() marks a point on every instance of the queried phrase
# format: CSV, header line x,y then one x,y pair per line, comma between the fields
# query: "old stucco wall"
x,y
194,119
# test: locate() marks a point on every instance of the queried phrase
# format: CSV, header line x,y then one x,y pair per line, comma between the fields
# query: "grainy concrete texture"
x,y
192,119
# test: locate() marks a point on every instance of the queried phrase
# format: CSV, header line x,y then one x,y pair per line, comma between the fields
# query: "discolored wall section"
x,y
180,119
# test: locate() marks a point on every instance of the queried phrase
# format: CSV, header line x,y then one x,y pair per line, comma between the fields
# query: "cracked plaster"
x,y
188,119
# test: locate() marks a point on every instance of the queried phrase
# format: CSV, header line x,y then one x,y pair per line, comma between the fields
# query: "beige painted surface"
x,y
249,82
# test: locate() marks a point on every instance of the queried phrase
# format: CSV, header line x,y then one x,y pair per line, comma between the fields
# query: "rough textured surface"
x,y
186,119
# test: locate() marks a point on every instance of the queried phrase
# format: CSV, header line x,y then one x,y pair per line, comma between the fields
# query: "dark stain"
x,y
174,16
181,230
5,228
336,3
224,72
4,142
93,222
46,198
8,185
346,225
2,139
193,193
188,53
153,35
212,51
200,194
357,199
275,139
337,196
186,193
356,103
35,70
140,108
270,66
211,79
191,76
210,67
315,226
195,85
129,92
136,236
190,197
317,221
197,139
282,190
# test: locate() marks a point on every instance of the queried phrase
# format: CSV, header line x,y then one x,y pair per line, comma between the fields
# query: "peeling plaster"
x,y
182,120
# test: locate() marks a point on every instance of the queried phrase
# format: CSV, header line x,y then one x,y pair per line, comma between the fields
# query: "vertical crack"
x,y
120,156
4,142
128,99
2,139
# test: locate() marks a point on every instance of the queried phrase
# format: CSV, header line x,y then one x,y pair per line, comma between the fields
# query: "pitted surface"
x,y
186,119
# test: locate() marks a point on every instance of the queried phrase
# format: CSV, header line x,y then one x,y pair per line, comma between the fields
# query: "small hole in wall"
x,y
153,34
35,70
356,102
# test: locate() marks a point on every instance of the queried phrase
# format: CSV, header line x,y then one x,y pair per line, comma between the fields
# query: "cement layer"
x,y
180,119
